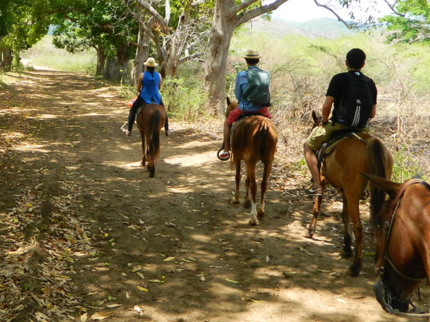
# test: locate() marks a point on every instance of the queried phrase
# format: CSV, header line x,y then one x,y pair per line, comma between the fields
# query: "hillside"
x,y
326,28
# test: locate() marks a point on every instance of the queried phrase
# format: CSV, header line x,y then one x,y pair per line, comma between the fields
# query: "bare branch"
x,y
244,5
154,13
167,15
187,58
258,11
393,9
333,12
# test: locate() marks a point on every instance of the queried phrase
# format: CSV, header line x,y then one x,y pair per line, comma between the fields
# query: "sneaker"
x,y
224,156
315,192
126,132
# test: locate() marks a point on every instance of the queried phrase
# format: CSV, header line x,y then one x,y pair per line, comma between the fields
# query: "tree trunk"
x,y
222,30
101,60
116,67
7,59
228,14
142,52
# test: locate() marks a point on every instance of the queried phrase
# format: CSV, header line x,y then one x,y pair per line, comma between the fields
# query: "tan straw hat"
x,y
150,62
252,54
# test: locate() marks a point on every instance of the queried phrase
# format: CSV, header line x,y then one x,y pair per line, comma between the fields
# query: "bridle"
x,y
387,230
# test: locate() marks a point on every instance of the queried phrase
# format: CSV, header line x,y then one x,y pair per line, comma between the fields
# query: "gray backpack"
x,y
257,91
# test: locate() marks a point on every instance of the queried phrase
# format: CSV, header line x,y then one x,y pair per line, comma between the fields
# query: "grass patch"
x,y
45,54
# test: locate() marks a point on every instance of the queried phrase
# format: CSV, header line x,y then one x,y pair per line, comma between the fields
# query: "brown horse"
x,y
253,139
341,168
150,121
402,230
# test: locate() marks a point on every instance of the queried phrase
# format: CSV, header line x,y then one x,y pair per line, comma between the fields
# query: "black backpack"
x,y
356,103
257,91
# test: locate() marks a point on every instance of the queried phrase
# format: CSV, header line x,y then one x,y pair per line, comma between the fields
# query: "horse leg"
x,y
266,173
316,211
142,135
247,204
347,240
354,213
250,170
238,176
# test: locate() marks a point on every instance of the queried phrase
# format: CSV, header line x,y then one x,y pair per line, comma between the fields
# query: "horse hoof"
x,y
353,271
260,213
346,253
152,174
247,204
253,223
309,232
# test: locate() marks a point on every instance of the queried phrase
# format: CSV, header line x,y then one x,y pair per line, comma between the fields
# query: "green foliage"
x,y
183,98
406,166
411,23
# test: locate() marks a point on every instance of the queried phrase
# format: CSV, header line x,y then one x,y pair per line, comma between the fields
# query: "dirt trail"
x,y
168,249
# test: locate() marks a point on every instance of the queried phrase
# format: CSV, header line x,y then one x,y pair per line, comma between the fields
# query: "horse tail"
x,y
154,145
380,164
269,139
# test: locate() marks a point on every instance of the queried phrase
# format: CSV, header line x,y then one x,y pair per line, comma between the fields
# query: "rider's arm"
x,y
326,109
373,112
161,81
139,83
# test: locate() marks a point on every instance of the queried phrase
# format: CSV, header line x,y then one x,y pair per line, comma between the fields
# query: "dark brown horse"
x,y
253,139
341,168
402,230
150,121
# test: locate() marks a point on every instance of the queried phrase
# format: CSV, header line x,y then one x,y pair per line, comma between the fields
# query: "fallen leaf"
x,y
84,317
231,281
168,259
101,316
140,288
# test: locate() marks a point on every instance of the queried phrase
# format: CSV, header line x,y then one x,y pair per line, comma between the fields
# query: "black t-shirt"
x,y
338,86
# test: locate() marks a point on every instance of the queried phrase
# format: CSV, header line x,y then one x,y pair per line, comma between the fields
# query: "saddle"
x,y
333,141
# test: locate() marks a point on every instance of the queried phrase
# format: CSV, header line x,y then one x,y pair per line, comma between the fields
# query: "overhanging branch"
x,y
333,12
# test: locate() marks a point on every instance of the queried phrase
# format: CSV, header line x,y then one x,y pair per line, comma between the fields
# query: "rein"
x,y
387,229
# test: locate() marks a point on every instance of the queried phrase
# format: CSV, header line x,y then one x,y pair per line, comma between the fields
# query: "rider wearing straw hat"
x,y
148,90
245,107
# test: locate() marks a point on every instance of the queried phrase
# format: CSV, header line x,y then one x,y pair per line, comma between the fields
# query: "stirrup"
x,y
225,157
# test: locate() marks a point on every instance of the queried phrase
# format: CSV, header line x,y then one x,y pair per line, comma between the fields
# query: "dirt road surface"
x,y
85,233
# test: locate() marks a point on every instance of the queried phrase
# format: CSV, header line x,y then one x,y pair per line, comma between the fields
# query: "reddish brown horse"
x,y
341,168
150,121
253,139
402,230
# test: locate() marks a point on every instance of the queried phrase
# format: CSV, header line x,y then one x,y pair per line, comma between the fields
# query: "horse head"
x,y
317,119
400,252
230,106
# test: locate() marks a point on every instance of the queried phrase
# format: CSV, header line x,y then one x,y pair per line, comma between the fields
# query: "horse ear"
x,y
228,101
391,188
314,116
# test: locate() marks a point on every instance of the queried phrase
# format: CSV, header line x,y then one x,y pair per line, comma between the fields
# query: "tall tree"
x,y
22,24
227,16
178,29
102,25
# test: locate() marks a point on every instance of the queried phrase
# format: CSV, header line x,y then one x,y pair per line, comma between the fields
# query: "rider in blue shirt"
x,y
148,89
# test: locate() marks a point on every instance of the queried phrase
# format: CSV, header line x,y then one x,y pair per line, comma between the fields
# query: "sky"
x,y
304,10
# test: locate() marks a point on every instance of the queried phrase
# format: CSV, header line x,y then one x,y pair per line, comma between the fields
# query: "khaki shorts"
x,y
321,134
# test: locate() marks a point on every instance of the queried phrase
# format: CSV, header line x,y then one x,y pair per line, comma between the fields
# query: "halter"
x,y
388,226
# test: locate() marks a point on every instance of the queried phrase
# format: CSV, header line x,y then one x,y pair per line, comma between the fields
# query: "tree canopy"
x,y
410,21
